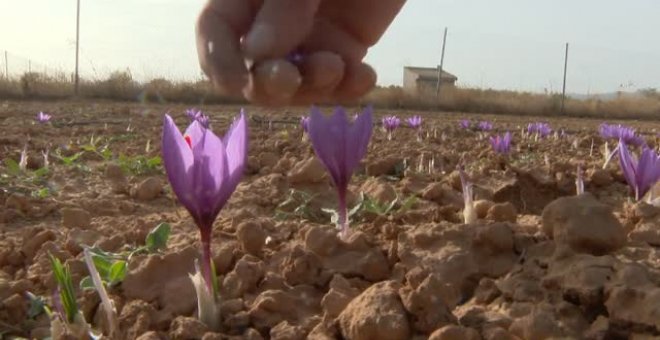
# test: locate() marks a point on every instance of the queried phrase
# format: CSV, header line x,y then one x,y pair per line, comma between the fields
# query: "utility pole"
x,y
6,66
563,89
442,62
77,76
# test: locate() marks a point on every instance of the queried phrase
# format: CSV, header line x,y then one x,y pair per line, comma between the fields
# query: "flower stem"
x,y
343,216
206,258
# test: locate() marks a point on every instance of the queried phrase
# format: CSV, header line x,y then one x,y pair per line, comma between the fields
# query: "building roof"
x,y
430,73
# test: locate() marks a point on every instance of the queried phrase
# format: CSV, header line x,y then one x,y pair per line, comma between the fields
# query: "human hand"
x,y
250,48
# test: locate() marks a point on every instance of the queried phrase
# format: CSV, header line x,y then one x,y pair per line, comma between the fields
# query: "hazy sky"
x,y
509,44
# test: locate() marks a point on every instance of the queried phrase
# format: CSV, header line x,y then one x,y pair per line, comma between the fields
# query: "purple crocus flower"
x,y
340,146
640,174
43,117
620,132
204,171
501,144
391,123
198,115
414,122
484,126
541,130
464,124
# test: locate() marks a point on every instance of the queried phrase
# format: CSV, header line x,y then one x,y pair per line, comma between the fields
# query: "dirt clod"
x,y
377,313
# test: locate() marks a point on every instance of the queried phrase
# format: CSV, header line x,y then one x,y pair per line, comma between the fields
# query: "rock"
x,y
114,172
646,232
637,307
118,181
502,212
499,333
426,303
379,190
454,332
493,249
16,308
486,291
40,333
377,313
285,331
600,177
307,171
151,335
382,166
338,297
481,207
598,328
136,318
268,159
251,237
581,278
358,258
444,249
321,241
75,218
76,238
186,328
248,271
644,211
163,278
18,202
442,194
536,325
149,189
271,307
32,245
584,224
303,267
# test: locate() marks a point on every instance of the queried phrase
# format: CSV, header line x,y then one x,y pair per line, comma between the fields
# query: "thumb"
x,y
279,27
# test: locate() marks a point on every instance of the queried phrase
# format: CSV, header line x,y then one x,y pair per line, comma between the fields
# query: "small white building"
x,y
425,79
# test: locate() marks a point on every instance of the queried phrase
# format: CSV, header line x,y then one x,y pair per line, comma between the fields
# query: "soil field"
x,y
540,262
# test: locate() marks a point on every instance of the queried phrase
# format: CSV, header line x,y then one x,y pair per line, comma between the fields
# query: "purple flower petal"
x,y
236,142
177,160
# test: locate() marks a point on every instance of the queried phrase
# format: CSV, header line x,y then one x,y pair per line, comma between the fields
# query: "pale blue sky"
x,y
510,44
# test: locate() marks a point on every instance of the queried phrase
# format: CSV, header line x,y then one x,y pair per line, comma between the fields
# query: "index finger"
x,y
219,29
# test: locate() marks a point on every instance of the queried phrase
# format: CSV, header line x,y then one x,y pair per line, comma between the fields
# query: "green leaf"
x,y
102,264
41,172
12,167
408,203
86,283
214,280
41,193
67,293
154,162
89,148
106,153
117,272
157,238
71,159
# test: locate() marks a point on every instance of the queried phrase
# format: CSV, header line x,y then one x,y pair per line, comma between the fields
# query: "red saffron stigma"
x,y
188,140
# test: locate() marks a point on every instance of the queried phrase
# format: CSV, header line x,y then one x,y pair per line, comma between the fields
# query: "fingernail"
x,y
259,42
